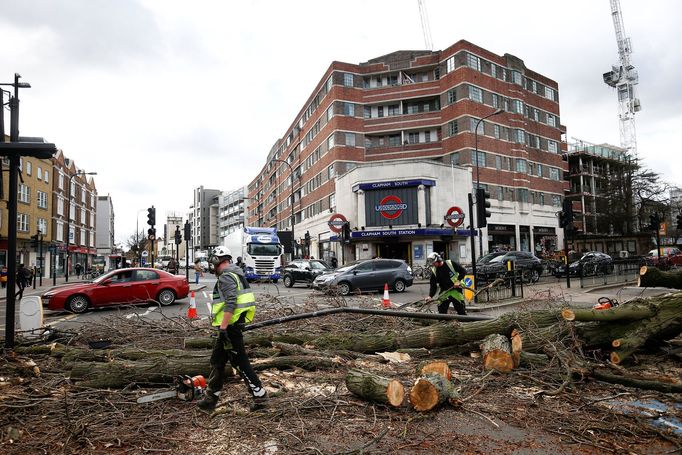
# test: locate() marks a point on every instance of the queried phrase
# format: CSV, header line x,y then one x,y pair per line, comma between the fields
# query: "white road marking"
x,y
149,310
64,319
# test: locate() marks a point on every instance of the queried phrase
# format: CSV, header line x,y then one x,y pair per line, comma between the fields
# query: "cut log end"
x,y
424,395
516,347
615,358
395,393
568,314
435,367
498,360
642,270
616,343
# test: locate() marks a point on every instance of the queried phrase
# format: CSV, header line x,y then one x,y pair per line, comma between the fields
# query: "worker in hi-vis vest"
x,y
446,274
233,306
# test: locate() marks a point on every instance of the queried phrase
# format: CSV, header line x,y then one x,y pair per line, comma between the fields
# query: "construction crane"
x,y
624,79
425,25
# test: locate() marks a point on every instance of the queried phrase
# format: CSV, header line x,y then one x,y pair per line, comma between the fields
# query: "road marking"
x,y
205,295
149,310
64,319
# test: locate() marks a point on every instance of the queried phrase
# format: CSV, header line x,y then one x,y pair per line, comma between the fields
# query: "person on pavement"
x,y
198,271
233,306
78,268
446,275
172,267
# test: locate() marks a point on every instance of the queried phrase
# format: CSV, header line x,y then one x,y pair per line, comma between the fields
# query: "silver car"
x,y
367,275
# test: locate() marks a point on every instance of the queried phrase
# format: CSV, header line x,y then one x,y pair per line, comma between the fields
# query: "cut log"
x,y
305,362
516,347
496,353
653,277
620,313
431,391
630,381
375,388
440,367
533,361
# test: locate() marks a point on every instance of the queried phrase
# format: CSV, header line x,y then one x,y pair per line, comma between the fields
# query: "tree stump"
x,y
516,347
440,367
375,388
653,277
431,391
497,353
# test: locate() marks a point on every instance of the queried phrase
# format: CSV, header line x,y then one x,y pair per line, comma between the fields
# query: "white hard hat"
x,y
434,257
221,251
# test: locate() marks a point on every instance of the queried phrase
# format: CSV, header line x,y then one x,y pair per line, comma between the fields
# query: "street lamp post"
x,y
68,222
478,175
293,218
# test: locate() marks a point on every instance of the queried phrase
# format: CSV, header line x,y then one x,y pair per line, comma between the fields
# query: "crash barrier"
x,y
622,271
509,286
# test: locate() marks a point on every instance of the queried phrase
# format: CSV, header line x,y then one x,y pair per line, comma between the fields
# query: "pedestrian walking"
x,y
79,269
22,274
198,271
446,275
172,266
234,305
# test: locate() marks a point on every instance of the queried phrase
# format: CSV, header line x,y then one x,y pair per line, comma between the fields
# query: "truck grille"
x,y
265,266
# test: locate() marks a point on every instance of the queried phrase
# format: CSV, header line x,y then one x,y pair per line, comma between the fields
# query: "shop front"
x,y
545,241
501,237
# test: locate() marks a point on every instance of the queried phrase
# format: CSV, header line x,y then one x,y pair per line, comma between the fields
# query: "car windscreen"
x,y
497,259
318,265
489,257
260,249
348,266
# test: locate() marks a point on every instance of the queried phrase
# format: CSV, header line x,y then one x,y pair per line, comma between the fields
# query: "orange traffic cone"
x,y
192,310
386,301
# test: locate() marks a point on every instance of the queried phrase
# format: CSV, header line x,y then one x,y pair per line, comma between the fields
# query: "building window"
x,y
330,142
521,166
473,62
517,106
539,170
549,93
330,172
47,176
553,173
480,159
380,111
481,125
427,136
39,174
450,64
60,206
349,109
367,112
347,79
42,225
393,140
350,139
330,112
22,222
522,195
516,77
475,94
498,162
551,120
496,131
24,193
520,136
493,70
556,200
28,168
454,159
496,100
452,96
42,200
413,138
453,128
542,198
394,109
552,146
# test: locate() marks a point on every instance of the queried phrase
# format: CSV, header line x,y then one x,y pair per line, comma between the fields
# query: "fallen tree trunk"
x,y
375,388
496,353
653,277
304,362
431,391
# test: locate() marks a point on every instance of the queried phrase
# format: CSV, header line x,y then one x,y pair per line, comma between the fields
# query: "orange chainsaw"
x,y
187,388
604,303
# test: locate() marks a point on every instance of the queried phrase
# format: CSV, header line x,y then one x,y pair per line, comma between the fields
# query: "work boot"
x,y
208,403
259,402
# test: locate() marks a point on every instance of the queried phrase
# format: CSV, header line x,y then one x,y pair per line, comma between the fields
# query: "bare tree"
x,y
137,243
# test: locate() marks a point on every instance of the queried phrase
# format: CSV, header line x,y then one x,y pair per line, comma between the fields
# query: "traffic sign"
x,y
145,253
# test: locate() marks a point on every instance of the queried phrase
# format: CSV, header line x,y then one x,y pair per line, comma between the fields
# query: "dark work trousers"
x,y
237,357
459,306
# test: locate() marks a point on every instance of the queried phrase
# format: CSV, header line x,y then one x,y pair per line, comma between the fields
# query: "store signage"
x,y
411,232
395,184
336,221
455,216
390,207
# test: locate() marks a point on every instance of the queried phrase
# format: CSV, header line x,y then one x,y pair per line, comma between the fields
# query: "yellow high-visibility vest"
x,y
246,303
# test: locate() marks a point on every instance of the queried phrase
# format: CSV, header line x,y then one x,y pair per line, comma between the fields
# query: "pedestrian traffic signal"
x,y
482,206
187,231
151,216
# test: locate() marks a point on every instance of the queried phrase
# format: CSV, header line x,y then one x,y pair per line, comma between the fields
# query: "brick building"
x,y
419,106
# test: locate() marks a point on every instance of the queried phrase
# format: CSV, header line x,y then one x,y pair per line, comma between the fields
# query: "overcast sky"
x,y
161,96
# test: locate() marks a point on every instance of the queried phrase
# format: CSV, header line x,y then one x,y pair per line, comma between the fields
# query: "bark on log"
x,y
431,391
533,361
653,277
375,388
304,362
619,313
440,367
119,374
629,381
496,353
250,339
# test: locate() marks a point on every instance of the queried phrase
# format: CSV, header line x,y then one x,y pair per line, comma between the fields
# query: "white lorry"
x,y
260,250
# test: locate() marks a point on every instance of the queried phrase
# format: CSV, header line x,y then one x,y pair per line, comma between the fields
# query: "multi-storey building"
x,y
231,212
166,241
74,194
204,219
107,252
483,117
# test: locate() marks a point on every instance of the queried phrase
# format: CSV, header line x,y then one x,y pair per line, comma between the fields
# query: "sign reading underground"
x,y
336,221
455,216
390,207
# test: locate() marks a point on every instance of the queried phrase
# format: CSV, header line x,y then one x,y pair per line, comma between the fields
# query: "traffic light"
x,y
482,206
654,222
187,231
346,232
151,216
151,232
34,241
178,237
566,217
679,221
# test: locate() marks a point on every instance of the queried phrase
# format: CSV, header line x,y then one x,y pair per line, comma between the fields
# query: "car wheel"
x,y
166,297
77,304
288,281
399,286
534,276
344,288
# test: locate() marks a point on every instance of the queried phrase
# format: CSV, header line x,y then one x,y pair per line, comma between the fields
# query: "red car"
x,y
120,287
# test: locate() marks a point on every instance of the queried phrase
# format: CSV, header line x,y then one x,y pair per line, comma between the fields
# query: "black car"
x,y
590,263
303,271
526,265
367,275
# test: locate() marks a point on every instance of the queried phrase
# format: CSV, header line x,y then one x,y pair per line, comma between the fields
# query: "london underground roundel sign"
x,y
391,207
455,216
336,221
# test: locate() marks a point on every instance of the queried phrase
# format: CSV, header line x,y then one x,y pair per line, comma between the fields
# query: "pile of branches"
x,y
349,384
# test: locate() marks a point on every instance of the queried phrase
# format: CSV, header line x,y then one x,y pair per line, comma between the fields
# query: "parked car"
x,y
120,287
367,275
303,270
590,263
671,256
526,263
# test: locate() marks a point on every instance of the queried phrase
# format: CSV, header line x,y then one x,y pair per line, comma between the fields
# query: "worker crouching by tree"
x,y
233,306
446,275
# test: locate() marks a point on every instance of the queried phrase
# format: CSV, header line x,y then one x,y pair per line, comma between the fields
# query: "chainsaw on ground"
x,y
604,303
187,388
